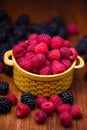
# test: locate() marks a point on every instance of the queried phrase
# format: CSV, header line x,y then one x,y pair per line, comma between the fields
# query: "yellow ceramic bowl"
x,y
39,84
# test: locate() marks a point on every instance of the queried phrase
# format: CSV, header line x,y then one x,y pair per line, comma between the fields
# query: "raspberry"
x,y
18,51
56,100
67,43
38,61
45,38
32,37
27,98
29,55
40,100
48,63
4,87
24,45
76,112
5,105
65,52
74,54
54,55
32,46
72,28
63,107
65,118
57,42
22,110
57,67
46,70
12,98
25,64
67,97
41,48
47,107
40,117
1,67
66,63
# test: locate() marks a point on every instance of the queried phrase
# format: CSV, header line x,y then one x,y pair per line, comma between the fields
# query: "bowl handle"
x,y
7,59
81,63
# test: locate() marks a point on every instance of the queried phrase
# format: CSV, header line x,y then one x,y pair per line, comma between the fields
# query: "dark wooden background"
x,y
39,11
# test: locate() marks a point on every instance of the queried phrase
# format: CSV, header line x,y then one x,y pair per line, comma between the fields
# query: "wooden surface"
x,y
70,11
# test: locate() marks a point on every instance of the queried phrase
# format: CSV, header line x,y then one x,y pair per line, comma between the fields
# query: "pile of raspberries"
x,y
44,55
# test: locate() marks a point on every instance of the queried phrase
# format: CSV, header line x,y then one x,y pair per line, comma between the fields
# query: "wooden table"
x,y
40,11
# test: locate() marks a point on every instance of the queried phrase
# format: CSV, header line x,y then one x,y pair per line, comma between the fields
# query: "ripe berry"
x,y
32,37
22,110
63,107
67,43
4,88
45,38
72,28
32,45
66,63
65,118
40,100
28,99
57,67
12,98
76,112
56,100
5,105
67,97
74,54
57,42
65,52
40,117
47,107
46,70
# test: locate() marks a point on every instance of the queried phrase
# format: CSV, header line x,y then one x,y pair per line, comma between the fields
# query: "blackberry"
x,y
4,87
5,105
67,97
28,99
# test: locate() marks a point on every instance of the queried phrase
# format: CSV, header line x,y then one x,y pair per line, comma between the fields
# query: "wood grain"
x,y
39,11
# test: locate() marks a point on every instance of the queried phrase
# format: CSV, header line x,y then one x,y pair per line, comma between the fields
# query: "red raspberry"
x,y
76,112
22,110
45,38
32,37
29,55
1,67
56,100
54,55
65,118
63,107
57,42
74,54
66,63
40,117
48,63
46,70
40,100
67,43
41,48
12,98
35,71
24,45
25,64
65,52
47,107
38,61
57,67
32,45
18,51
72,28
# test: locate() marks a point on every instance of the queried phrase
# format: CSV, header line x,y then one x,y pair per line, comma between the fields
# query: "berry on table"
x,y
40,100
63,107
5,105
4,87
76,112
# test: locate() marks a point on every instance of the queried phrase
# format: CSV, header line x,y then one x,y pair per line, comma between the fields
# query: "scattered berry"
x,y
12,98
40,100
4,87
76,112
56,100
47,107
67,97
40,117
63,107
28,99
22,110
5,105
72,29
65,119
